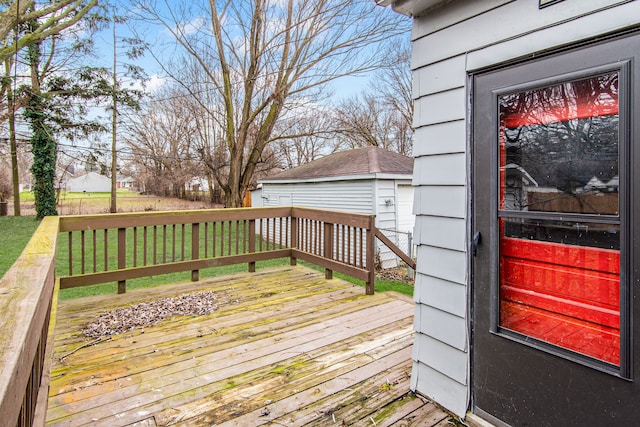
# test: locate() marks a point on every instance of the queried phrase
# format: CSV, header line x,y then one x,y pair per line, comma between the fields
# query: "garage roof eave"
x,y
338,178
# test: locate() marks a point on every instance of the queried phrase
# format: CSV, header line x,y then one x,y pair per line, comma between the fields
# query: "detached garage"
x,y
90,183
367,180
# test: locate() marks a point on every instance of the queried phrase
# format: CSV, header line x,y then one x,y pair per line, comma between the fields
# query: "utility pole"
x,y
114,119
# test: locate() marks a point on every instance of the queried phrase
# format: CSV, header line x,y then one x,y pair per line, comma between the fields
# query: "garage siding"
x,y
368,196
351,196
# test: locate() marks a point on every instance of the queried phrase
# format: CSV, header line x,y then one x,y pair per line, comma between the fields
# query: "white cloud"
x,y
151,85
194,25
154,83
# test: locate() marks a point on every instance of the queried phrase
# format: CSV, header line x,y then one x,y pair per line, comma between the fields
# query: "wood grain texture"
x,y
26,295
285,347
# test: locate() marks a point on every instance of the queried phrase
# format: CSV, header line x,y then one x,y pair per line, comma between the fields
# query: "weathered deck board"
x,y
287,347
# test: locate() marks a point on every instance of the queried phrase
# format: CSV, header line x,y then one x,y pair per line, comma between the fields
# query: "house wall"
x,y
366,196
256,198
91,182
449,43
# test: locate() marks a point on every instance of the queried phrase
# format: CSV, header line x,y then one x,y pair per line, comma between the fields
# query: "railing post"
x,y
252,243
294,238
70,253
122,257
371,270
410,272
195,249
328,247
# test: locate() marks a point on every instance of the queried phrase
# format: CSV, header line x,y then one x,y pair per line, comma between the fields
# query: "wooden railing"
x,y
338,241
27,305
118,247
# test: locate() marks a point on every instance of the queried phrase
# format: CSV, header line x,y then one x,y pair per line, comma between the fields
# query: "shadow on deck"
x,y
285,347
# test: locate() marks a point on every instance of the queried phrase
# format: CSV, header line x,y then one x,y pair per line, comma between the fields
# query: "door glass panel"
x,y
559,153
597,235
560,146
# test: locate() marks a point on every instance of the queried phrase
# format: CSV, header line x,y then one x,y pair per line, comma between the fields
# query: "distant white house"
x,y
125,181
90,182
198,184
367,180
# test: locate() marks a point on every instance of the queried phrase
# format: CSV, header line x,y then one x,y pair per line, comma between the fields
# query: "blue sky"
x,y
341,88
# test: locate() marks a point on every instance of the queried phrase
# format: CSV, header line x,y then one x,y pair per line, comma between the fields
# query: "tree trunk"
x,y
15,176
43,146
11,108
232,198
233,191
211,183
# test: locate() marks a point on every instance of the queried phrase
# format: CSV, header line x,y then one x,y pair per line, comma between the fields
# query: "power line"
x,y
128,152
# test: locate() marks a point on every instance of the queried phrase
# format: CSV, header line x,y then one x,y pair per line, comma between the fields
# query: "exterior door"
x,y
554,196
406,218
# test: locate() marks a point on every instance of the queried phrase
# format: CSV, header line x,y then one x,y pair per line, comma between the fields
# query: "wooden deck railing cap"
x,y
25,297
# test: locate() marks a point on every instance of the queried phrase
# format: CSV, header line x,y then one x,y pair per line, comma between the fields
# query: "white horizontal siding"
x,y
441,357
444,169
605,21
449,201
441,138
386,213
441,232
440,107
447,16
502,24
441,294
442,263
386,219
428,322
439,387
439,77
450,42
352,196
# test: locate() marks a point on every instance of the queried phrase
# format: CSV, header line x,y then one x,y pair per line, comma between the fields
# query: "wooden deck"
x,y
287,348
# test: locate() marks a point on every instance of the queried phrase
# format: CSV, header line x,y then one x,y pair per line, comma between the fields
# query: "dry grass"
x,y
96,203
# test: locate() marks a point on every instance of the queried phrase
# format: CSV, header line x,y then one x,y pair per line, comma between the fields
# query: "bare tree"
x,y
161,141
382,115
393,81
260,56
304,135
358,122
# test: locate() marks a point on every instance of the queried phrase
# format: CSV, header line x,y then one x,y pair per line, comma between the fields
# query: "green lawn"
x,y
147,282
15,232
382,285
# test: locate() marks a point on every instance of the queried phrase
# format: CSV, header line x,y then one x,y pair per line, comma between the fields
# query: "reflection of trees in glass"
x,y
562,136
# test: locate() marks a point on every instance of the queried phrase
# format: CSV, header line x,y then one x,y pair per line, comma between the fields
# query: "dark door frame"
x,y
567,387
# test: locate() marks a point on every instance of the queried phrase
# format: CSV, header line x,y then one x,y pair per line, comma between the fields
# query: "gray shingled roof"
x,y
360,161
